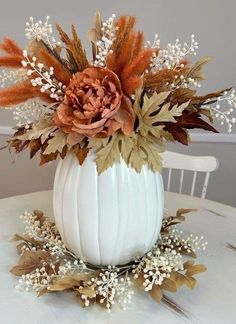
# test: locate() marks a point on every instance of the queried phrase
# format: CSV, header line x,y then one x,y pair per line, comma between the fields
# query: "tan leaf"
x,y
42,292
139,281
169,285
25,238
152,112
207,113
80,300
41,129
29,261
107,152
188,263
196,71
138,156
156,293
56,143
68,282
20,247
180,212
146,151
181,279
87,291
195,269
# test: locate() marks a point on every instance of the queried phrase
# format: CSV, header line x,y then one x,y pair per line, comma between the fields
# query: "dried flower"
x,y
94,105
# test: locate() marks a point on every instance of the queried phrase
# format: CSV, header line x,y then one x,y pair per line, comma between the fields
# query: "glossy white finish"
x,y
109,218
176,161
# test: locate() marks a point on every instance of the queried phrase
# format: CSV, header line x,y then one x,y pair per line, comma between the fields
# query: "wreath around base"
x,y
46,265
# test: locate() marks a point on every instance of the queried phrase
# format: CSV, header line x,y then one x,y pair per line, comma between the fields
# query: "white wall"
x,y
213,23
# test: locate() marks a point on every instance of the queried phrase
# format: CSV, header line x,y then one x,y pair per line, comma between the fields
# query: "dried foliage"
x,y
124,104
128,59
75,50
46,265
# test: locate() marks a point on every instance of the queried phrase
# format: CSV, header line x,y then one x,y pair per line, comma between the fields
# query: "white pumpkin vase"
x,y
107,219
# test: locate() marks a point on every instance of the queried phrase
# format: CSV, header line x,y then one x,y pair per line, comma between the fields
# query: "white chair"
x,y
175,161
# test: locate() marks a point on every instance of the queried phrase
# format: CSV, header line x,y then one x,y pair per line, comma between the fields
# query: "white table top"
x,y
213,301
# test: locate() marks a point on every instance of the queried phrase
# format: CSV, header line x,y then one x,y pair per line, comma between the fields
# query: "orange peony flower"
x,y
94,106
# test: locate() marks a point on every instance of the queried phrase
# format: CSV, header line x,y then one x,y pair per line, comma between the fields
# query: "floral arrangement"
x,y
127,101
46,265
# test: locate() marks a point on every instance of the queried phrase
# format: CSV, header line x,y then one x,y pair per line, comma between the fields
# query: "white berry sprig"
x,y
45,79
41,31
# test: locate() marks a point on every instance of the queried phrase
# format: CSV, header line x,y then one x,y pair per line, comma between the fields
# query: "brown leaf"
x,y
188,120
87,291
29,261
196,71
42,292
20,247
169,285
156,293
25,238
195,269
182,95
68,282
81,153
181,279
48,158
35,146
180,212
188,263
139,281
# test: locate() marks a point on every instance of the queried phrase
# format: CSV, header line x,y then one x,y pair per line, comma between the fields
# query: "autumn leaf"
x,y
194,269
87,291
56,143
68,282
181,279
107,152
180,212
80,152
188,120
169,285
34,146
152,113
156,293
196,72
29,261
41,129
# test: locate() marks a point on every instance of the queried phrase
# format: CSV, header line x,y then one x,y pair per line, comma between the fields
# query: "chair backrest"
x,y
176,161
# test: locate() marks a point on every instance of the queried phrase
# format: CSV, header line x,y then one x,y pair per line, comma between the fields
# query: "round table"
x,y
212,301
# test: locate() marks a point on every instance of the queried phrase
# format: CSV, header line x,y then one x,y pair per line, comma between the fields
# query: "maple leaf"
x,y
56,143
146,151
154,110
188,120
41,129
107,151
